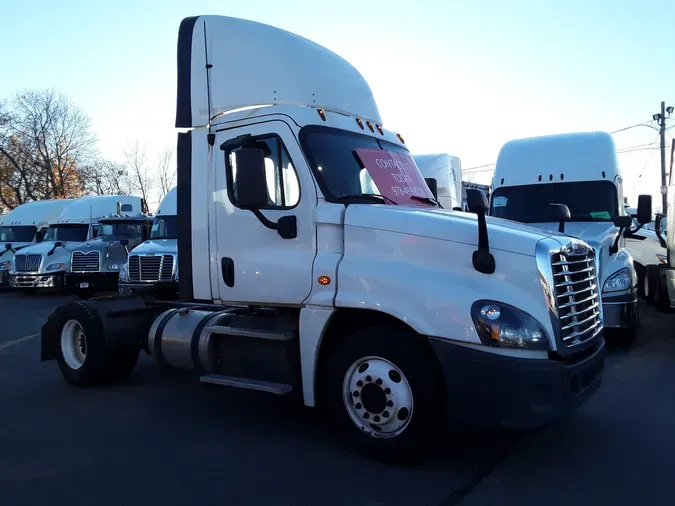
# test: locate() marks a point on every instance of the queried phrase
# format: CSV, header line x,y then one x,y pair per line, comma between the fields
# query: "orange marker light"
x,y
379,129
360,123
324,280
370,125
400,138
322,114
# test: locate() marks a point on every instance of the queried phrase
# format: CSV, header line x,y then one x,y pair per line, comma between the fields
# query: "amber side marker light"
x,y
322,114
324,280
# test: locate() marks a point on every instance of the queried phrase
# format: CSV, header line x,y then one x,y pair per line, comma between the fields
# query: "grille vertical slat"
x,y
27,263
85,262
577,296
150,269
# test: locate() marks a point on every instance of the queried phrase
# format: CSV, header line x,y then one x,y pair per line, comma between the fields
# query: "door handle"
x,y
227,271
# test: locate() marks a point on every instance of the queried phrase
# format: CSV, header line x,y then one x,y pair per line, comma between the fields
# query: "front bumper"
x,y
496,391
100,280
32,280
620,311
127,287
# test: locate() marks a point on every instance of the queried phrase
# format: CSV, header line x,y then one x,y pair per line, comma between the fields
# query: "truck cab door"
x,y
255,264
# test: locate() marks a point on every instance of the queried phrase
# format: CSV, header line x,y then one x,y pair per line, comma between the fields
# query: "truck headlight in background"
x,y
502,325
55,267
621,280
114,267
4,265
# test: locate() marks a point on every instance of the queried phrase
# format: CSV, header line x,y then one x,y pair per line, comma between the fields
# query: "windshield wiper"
x,y
371,196
427,199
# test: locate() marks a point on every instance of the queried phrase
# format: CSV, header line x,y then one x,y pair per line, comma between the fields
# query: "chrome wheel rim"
x,y
378,397
73,344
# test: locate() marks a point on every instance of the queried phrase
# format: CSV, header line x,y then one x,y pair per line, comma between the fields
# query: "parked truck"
x,y
25,225
45,264
581,171
95,264
152,266
446,171
394,316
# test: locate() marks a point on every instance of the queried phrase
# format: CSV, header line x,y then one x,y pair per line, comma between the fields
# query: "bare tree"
x,y
44,142
166,172
142,180
106,177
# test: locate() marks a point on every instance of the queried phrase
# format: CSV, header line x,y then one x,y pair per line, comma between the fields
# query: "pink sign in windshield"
x,y
396,176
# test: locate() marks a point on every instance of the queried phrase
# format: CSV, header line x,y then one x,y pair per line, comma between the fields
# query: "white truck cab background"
x,y
447,171
579,170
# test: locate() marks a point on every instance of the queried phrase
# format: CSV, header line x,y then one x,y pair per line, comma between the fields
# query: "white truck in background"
x,y
394,316
25,225
153,265
44,265
669,268
581,171
446,171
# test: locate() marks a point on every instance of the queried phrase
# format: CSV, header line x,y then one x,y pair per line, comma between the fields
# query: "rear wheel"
x,y
382,390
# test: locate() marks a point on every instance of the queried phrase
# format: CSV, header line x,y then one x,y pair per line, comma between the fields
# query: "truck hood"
x,y
7,254
446,225
157,246
60,255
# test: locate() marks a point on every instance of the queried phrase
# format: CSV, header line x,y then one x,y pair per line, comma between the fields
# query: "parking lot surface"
x,y
167,439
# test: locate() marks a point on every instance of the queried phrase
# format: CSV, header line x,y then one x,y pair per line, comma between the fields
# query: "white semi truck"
x,y
152,265
446,172
44,265
25,225
581,171
392,315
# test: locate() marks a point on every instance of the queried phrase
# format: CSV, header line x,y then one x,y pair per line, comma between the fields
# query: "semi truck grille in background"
x,y
575,281
151,268
27,263
85,262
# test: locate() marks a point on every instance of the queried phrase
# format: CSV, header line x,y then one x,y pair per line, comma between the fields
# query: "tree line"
x,y
48,151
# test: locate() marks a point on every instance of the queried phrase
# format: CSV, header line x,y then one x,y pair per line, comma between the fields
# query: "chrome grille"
x,y
85,262
577,296
145,268
27,263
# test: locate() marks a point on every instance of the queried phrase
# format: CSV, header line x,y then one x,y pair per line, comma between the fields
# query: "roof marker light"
x,y
360,123
379,129
370,125
400,138
322,114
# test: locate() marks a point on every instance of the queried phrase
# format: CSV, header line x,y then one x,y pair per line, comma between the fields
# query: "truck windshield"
x,y
164,227
17,233
121,229
71,233
347,166
587,201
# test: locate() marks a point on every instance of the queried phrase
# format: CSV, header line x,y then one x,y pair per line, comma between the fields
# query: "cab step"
x,y
253,333
247,383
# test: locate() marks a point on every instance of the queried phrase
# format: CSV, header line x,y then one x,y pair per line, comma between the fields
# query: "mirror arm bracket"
x,y
482,259
287,228
614,249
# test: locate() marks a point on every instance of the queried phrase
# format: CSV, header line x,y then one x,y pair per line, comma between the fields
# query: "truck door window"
x,y
283,185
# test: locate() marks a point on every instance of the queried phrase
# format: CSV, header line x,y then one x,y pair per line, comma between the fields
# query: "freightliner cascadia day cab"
x,y
25,225
446,170
44,265
315,262
152,265
580,171
95,264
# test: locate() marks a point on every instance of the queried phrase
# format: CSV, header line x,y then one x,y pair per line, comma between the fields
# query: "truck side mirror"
x,y
561,214
124,242
251,179
644,210
476,201
432,183
482,259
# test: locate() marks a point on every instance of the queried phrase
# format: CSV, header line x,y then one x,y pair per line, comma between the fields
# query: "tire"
x,y
658,295
642,278
419,394
82,356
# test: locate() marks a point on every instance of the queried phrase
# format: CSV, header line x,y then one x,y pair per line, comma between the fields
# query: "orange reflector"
x,y
370,125
324,280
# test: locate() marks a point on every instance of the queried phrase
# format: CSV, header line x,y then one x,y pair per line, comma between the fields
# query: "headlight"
x,y
620,280
113,267
661,258
55,267
4,265
505,326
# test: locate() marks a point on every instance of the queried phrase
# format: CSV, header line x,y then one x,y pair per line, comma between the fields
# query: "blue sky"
x,y
461,77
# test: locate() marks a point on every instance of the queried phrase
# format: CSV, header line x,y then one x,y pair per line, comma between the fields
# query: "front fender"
x,y
430,284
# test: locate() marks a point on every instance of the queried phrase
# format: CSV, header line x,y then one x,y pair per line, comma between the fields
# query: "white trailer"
x,y
581,171
25,225
381,309
446,170
45,264
152,265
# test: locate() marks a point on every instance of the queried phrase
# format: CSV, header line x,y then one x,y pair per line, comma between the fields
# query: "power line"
x,y
644,123
469,169
637,181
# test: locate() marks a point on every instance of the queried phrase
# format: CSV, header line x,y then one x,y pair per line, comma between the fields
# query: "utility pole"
x,y
661,119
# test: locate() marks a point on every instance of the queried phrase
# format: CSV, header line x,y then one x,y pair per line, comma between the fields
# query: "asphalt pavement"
x,y
167,439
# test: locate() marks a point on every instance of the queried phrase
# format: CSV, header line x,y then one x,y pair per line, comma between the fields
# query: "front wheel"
x,y
382,389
